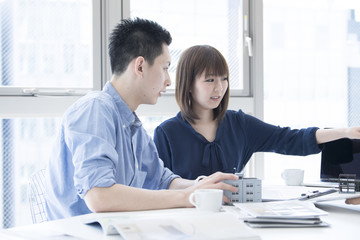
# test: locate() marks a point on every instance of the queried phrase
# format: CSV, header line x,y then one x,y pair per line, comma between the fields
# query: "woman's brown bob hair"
x,y
192,63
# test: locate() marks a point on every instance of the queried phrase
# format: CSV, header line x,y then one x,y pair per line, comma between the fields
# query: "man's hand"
x,y
214,181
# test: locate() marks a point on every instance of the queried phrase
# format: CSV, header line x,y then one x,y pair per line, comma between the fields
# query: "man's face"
x,y
156,77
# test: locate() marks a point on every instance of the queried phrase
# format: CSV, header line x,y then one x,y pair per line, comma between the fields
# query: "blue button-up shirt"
x,y
101,142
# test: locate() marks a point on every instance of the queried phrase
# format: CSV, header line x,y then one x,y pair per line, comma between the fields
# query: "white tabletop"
x,y
344,223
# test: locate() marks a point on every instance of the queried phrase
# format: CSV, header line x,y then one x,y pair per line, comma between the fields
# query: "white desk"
x,y
344,220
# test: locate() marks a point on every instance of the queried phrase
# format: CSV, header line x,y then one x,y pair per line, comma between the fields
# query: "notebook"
x,y
292,213
338,157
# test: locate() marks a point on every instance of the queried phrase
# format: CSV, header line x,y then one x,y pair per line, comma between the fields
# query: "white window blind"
x,y
221,24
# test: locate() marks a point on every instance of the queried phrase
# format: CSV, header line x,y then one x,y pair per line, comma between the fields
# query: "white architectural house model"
x,y
249,190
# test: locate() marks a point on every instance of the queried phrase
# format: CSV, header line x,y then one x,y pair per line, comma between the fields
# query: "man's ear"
x,y
139,63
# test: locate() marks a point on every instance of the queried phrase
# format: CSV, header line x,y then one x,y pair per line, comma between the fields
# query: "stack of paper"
x,y
281,214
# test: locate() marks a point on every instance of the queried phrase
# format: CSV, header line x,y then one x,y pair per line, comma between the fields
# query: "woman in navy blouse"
x,y
205,137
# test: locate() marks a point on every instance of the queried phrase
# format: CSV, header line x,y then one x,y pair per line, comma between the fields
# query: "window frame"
x,y
53,102
44,102
248,7
23,101
250,98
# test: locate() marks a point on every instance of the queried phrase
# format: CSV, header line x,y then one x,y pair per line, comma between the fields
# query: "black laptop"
x,y
338,157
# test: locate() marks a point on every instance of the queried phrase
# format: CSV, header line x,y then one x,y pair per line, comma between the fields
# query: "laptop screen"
x,y
340,157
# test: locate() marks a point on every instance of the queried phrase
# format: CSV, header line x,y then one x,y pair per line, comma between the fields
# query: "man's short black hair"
x,y
132,38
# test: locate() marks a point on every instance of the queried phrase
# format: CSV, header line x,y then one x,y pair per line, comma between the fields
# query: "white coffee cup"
x,y
207,199
293,177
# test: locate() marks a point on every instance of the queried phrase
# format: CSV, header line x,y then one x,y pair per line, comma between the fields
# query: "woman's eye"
x,y
225,79
209,80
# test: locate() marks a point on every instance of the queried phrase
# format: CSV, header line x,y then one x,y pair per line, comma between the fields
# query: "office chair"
x,y
36,196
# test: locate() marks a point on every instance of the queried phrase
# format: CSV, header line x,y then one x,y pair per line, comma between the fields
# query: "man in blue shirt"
x,y
103,158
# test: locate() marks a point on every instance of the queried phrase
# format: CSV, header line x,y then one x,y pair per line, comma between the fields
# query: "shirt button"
x,y
137,166
123,125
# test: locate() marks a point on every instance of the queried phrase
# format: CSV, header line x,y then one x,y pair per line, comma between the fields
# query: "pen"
x,y
318,194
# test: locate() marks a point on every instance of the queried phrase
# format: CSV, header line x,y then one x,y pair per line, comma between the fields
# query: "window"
x,y
311,71
46,44
221,24
53,52
26,145
47,51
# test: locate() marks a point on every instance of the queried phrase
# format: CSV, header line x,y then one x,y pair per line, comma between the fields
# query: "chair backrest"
x,y
36,195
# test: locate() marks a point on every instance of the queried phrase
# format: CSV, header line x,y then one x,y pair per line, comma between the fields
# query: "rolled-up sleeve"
x,y
167,178
92,146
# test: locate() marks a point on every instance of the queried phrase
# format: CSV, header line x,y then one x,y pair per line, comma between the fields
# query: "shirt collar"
x,y
129,118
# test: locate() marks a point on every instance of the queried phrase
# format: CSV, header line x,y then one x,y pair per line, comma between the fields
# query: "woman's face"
x,y
208,91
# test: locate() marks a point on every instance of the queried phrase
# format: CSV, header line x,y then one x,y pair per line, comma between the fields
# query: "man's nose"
x,y
168,80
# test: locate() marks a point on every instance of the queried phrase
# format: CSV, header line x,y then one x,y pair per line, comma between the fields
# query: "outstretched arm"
x,y
328,135
124,198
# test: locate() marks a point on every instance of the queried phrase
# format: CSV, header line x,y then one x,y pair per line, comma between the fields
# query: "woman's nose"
x,y
218,85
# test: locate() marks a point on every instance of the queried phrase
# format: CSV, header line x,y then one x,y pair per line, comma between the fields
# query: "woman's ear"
x,y
138,68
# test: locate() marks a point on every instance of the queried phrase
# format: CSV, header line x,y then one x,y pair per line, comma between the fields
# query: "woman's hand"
x,y
328,135
353,132
353,200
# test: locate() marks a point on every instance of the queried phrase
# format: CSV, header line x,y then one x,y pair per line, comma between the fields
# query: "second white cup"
x,y
207,199
293,177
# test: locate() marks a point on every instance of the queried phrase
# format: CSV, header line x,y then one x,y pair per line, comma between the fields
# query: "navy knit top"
x,y
239,135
